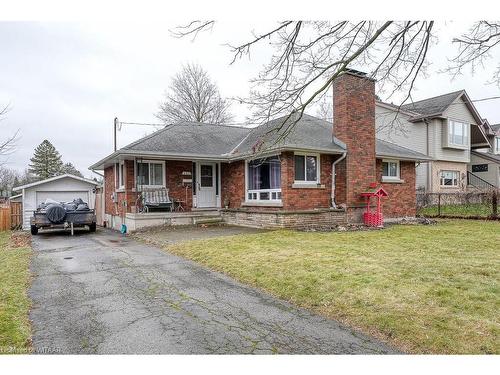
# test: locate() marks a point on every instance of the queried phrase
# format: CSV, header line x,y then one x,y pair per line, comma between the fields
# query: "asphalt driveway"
x,y
104,293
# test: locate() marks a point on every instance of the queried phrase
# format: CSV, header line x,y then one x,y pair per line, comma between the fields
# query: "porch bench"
x,y
156,199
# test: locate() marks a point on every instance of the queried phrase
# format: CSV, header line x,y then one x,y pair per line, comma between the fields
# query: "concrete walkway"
x,y
103,293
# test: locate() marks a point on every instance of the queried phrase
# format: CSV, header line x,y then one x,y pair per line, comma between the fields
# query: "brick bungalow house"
x,y
309,175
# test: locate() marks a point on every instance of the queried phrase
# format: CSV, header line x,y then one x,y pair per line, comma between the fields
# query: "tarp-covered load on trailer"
x,y
63,215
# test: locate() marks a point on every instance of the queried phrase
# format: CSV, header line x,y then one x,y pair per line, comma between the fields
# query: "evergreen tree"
x,y
46,161
70,169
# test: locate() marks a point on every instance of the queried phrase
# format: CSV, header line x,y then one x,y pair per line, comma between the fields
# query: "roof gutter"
x,y
404,158
223,157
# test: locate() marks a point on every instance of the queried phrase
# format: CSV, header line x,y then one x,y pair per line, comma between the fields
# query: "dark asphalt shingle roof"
x,y
388,149
435,105
309,133
191,138
221,141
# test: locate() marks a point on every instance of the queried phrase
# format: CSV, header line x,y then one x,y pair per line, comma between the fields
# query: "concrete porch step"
x,y
212,219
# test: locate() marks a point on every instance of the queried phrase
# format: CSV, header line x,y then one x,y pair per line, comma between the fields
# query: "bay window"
x,y
306,168
458,133
150,173
264,179
450,178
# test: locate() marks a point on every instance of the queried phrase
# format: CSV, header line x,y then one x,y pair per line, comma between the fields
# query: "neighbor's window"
x,y
497,145
457,133
150,173
264,179
390,169
306,168
450,178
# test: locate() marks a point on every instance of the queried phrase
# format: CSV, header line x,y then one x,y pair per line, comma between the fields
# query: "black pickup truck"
x,y
62,215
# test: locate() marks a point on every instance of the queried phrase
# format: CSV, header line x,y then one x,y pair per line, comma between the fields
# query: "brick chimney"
x,y
354,124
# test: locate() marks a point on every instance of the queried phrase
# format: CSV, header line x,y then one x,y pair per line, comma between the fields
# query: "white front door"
x,y
205,196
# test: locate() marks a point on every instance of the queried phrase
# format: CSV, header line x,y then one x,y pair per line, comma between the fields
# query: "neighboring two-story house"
x,y
446,128
484,166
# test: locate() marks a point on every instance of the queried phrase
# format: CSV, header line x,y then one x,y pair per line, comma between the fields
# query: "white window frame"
x,y
254,195
120,175
451,133
457,179
318,169
149,162
398,170
496,145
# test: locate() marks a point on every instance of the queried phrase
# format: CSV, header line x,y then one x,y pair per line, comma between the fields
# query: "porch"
x,y
137,221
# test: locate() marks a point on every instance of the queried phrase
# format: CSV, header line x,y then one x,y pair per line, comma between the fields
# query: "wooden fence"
x,y
11,216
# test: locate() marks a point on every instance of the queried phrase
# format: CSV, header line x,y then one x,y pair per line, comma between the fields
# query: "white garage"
x,y
62,188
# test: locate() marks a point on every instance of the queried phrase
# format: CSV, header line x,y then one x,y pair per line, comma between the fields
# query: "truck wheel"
x,y
34,230
92,227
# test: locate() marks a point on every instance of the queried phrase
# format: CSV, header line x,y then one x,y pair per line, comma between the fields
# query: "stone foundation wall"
x,y
307,219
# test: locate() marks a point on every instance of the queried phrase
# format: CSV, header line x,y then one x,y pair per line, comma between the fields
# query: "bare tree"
x,y
192,96
475,47
308,56
8,145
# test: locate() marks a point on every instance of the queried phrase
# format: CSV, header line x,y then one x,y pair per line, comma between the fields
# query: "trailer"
x,y
61,216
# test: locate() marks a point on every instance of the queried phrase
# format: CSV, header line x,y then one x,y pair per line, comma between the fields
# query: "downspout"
x,y
334,204
429,164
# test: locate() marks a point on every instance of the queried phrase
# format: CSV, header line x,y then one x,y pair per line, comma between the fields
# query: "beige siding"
x,y
421,177
493,173
438,130
458,111
399,130
438,166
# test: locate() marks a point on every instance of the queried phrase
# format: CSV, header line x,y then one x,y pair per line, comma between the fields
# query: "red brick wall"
x,y
340,179
174,182
233,183
305,198
402,197
354,124
109,188
128,195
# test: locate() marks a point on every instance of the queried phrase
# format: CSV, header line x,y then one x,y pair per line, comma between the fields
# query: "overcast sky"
x,y
67,81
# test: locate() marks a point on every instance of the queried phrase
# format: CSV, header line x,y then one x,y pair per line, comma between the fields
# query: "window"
x,y
306,168
150,173
264,179
206,176
497,145
479,168
458,133
119,175
450,178
390,170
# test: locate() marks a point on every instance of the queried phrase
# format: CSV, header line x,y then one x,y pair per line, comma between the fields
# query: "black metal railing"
x,y
477,182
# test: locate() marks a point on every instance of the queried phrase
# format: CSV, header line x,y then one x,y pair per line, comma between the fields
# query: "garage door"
x,y
61,196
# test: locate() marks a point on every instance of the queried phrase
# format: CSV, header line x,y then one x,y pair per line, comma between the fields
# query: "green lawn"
x,y
476,209
425,289
14,302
